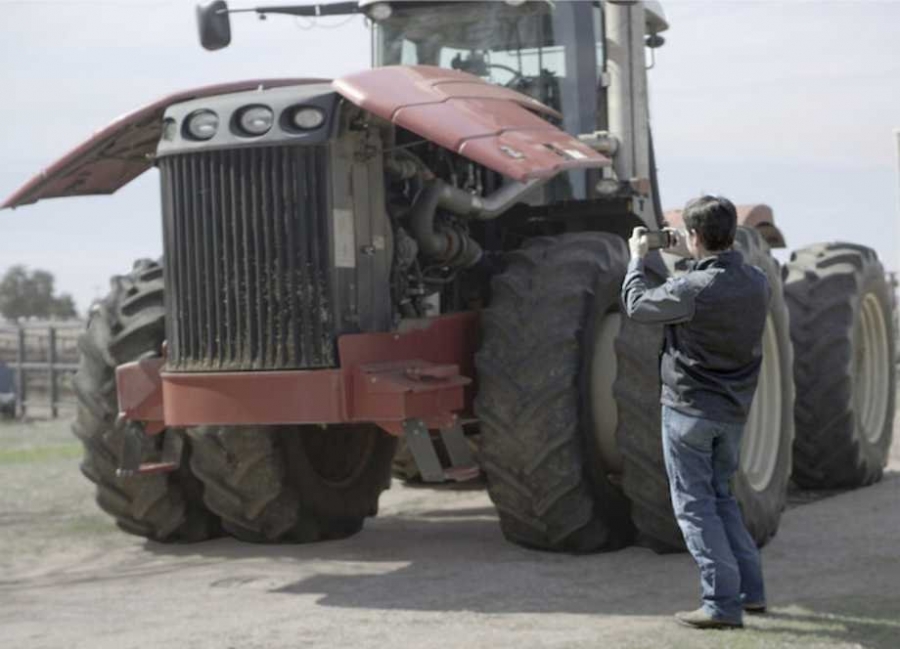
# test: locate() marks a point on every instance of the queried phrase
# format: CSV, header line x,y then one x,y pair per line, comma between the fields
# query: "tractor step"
x,y
149,468
134,436
462,464
462,474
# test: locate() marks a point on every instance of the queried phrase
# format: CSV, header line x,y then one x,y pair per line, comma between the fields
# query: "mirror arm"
x,y
314,10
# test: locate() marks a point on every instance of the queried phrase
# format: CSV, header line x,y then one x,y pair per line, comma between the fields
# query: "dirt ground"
x,y
431,571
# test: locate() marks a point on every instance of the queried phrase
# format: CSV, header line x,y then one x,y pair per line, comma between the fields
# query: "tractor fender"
x,y
494,126
122,151
759,216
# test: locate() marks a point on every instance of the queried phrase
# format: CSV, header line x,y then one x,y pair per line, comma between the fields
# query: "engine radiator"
x,y
248,282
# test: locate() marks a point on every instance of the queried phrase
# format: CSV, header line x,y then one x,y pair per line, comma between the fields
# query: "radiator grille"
x,y
247,265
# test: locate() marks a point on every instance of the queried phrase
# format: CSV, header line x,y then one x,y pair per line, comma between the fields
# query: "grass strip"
x,y
40,454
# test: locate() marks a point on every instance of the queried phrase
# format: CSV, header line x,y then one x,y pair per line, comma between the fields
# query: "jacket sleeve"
x,y
671,303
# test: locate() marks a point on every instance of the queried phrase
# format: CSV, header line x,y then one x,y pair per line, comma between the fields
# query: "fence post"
x,y
21,377
51,358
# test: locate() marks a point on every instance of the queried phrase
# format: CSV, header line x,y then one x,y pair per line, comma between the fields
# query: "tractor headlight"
x,y
307,118
255,120
202,125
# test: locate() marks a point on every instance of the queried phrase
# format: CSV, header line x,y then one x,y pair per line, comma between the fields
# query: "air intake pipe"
x,y
464,204
446,245
450,245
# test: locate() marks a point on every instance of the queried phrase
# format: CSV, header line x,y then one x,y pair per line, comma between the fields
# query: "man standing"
x,y
714,318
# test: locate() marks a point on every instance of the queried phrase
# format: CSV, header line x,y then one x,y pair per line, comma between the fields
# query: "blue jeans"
x,y
701,457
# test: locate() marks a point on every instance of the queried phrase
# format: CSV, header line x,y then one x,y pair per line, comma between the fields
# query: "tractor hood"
x,y
122,151
493,126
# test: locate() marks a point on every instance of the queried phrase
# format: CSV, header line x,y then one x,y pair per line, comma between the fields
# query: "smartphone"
x,y
665,238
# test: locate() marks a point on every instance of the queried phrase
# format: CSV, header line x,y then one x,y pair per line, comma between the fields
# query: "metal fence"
x,y
43,357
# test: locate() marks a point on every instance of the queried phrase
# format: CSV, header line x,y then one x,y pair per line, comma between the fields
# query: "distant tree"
x,y
30,295
63,307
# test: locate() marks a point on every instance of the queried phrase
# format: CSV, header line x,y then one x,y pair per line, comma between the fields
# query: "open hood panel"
x,y
493,126
122,151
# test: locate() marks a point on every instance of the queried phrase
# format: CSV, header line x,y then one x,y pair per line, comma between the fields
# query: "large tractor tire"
x,y
544,467
843,335
294,484
127,325
638,431
760,484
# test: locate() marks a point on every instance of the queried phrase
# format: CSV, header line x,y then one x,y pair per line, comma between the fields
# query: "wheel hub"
x,y
603,403
762,433
872,370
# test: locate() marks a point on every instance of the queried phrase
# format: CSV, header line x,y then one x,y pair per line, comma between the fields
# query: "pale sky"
x,y
785,102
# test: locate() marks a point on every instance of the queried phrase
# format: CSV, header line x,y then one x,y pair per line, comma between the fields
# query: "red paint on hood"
x,y
493,126
122,151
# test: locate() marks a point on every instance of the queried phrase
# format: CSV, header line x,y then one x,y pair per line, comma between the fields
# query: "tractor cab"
x,y
585,60
551,53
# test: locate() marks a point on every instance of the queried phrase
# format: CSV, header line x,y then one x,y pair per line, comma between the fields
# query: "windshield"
x,y
522,47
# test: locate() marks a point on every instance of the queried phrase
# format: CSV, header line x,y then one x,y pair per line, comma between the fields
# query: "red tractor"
x,y
432,250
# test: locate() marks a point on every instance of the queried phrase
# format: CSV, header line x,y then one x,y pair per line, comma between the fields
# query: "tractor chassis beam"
x,y
420,372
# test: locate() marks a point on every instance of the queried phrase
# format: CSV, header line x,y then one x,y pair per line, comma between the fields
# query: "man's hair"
x,y
714,219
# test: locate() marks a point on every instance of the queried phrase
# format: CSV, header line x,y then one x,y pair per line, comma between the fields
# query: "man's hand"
x,y
637,244
680,249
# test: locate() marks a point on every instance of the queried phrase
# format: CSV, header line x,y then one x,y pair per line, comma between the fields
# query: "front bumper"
x,y
420,372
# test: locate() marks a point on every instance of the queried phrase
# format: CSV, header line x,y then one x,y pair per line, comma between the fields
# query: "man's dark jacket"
x,y
714,316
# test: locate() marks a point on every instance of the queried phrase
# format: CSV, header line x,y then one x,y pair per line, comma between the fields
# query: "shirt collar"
x,y
723,258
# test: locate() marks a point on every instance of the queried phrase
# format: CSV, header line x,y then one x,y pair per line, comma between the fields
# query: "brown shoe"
x,y
700,619
755,608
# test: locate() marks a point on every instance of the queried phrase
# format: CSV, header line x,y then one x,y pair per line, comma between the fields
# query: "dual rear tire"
x,y
295,484
569,403
263,483
545,473
843,334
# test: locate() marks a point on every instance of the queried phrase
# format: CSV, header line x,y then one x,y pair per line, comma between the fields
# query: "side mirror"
x,y
213,24
655,41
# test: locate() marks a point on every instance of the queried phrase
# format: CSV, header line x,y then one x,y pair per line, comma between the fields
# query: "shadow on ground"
x,y
457,560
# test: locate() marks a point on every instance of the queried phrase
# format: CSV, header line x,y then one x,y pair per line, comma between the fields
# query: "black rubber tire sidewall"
x,y
125,326
544,473
265,484
762,510
358,497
